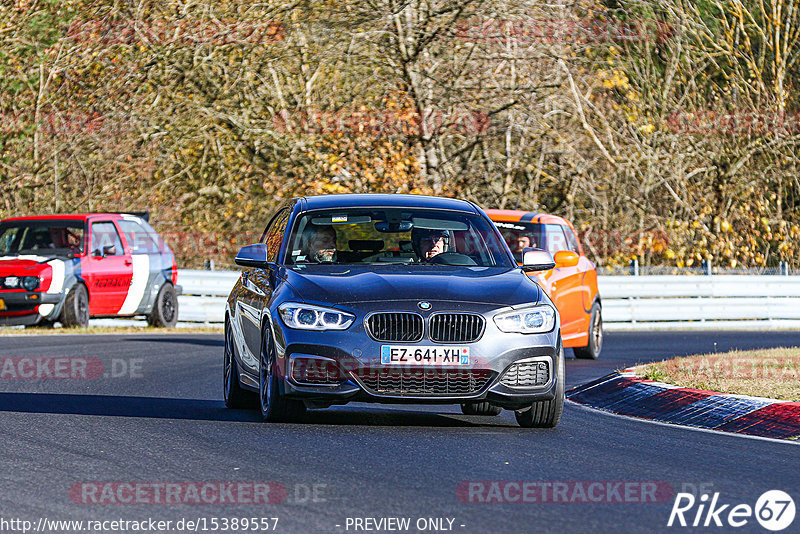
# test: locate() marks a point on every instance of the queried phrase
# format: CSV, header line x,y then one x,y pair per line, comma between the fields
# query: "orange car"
x,y
572,284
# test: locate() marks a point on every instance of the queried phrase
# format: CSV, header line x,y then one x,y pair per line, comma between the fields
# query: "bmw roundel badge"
x,y
424,305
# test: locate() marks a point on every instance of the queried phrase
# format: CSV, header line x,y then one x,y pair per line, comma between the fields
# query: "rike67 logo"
x,y
774,510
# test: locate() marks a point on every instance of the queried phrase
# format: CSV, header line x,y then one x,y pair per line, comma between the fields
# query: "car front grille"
x,y
455,327
424,382
526,375
406,327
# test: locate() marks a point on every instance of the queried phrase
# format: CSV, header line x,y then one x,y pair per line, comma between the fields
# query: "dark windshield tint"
x,y
43,238
392,236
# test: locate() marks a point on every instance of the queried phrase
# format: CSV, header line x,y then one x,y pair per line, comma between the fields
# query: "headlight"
x,y
307,317
30,282
536,320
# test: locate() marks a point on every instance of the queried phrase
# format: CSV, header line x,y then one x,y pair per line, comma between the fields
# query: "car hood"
x,y
22,265
353,284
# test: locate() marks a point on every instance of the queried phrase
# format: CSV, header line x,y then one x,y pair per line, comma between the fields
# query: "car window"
x,y
397,235
103,235
140,239
572,242
554,237
9,239
519,236
42,237
274,235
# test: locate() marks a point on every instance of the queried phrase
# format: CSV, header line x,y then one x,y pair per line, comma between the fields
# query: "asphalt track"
x,y
165,422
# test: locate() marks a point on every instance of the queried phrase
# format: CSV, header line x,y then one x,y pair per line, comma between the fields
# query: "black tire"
x,y
480,408
235,395
273,405
546,414
165,309
76,308
592,350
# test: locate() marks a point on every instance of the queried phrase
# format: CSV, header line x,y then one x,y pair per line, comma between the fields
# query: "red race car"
x,y
68,268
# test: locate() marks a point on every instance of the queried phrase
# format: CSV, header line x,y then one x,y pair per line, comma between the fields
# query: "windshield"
x,y
44,238
392,236
549,237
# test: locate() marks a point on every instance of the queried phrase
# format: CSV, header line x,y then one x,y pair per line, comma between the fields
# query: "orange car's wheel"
x,y
592,350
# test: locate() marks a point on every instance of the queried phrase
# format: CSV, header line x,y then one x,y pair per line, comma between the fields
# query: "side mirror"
x,y
566,258
109,250
252,256
534,259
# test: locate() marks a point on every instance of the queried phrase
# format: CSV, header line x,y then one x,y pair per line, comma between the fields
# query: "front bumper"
x,y
357,355
21,307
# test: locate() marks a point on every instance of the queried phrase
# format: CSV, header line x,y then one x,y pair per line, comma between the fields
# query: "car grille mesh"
x,y
455,327
405,327
316,371
527,374
425,382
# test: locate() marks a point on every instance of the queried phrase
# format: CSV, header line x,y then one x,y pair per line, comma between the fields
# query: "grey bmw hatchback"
x,y
390,299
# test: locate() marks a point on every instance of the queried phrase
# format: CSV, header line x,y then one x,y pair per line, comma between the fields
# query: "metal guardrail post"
x,y
707,267
634,267
784,270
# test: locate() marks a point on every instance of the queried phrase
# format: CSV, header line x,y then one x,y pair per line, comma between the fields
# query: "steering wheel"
x,y
452,258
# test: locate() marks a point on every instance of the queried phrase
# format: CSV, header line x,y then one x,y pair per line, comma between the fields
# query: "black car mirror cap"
x,y
252,256
534,259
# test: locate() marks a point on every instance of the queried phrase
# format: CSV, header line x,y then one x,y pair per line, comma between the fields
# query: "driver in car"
x,y
429,243
319,242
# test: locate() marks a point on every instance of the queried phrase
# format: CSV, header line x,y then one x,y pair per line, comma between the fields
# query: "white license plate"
x,y
422,355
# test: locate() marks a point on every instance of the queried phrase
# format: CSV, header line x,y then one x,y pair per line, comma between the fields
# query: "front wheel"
x,y
235,395
546,414
76,308
592,350
274,406
165,308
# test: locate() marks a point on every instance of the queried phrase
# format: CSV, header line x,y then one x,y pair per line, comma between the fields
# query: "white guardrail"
x,y
629,302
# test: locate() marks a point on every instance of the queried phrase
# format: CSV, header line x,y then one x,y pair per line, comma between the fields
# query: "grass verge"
x,y
770,373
